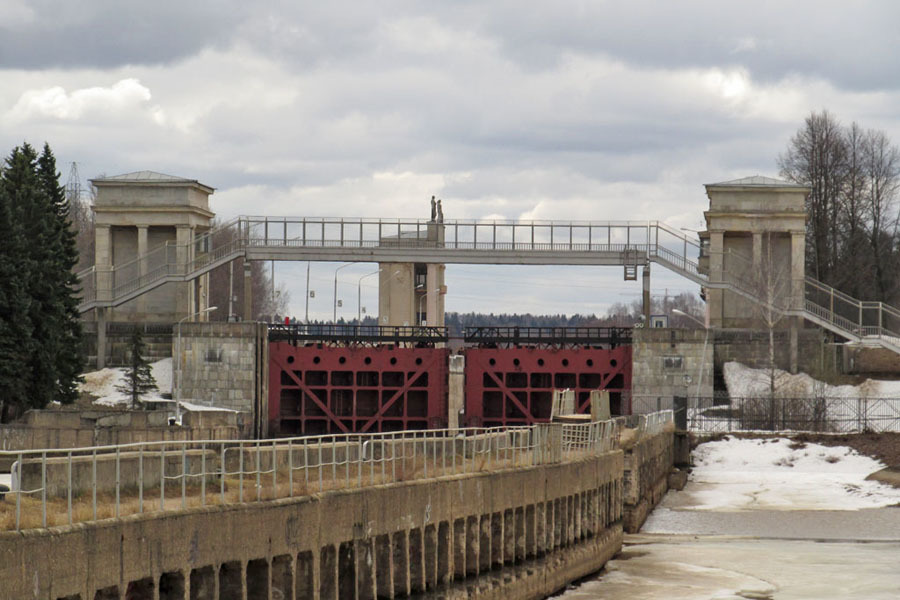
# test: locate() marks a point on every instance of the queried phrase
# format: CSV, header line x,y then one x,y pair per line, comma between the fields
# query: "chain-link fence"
x,y
818,414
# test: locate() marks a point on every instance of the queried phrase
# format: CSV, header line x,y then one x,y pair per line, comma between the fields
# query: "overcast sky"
x,y
520,110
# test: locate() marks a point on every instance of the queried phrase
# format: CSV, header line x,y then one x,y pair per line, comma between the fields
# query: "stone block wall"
x,y
751,347
670,362
863,360
224,365
40,429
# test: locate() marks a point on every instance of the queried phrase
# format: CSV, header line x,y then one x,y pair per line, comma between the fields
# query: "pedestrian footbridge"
x,y
629,244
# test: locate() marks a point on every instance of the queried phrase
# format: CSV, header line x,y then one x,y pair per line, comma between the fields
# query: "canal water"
x,y
763,522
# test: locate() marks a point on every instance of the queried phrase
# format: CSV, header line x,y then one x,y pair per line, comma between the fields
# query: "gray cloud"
x,y
112,33
568,110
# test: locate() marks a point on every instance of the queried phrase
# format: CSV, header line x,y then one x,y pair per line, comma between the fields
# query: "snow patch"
x,y
103,384
745,382
780,474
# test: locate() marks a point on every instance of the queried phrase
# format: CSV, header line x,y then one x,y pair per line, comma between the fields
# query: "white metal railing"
x,y
56,487
557,241
172,261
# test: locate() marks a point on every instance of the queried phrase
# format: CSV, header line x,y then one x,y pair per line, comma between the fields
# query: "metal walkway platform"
x,y
602,243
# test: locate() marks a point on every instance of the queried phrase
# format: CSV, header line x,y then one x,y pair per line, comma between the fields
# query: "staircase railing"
x,y
854,319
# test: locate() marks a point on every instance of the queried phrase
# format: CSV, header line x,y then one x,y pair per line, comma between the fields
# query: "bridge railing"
x,y
58,487
229,240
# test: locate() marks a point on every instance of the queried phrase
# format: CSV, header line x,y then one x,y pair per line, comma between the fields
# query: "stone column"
x,y
432,294
184,304
798,268
103,257
757,249
142,267
456,387
714,299
798,284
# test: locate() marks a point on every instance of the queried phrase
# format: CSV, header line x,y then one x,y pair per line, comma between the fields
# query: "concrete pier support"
x,y
456,387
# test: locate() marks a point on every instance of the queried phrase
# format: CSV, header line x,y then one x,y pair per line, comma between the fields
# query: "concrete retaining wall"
x,y
512,534
647,466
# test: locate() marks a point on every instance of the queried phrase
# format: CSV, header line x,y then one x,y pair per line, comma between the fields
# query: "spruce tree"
x,y
15,323
69,357
30,218
138,378
40,332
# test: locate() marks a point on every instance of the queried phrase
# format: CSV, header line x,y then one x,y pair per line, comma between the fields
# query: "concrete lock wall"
x,y
521,533
647,464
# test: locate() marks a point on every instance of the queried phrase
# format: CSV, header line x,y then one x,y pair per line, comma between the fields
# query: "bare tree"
x,y
771,285
853,272
228,281
817,156
881,165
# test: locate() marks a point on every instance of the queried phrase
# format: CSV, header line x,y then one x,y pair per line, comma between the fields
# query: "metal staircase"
x,y
623,243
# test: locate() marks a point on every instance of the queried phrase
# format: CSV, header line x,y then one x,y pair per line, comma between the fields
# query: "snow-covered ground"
x,y
778,474
103,383
751,523
746,382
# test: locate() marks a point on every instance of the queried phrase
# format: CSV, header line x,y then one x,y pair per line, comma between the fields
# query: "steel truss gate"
x,y
514,386
323,389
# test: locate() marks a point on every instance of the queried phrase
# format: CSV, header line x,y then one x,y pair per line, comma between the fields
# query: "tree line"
x,y
41,357
852,241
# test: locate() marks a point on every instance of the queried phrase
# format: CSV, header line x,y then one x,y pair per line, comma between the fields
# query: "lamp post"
x,y
334,318
422,320
359,295
705,341
181,359
359,291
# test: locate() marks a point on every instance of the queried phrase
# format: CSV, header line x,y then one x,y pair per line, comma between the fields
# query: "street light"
x,y
359,292
705,341
334,318
181,360
422,320
359,295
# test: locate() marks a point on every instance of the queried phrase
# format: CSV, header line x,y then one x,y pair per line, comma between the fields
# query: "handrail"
x,y
63,485
602,241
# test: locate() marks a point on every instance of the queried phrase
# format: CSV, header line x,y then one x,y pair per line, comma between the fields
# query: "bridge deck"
x,y
606,243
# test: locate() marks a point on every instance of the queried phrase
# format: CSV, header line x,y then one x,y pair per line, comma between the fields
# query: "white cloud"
x,y
56,103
